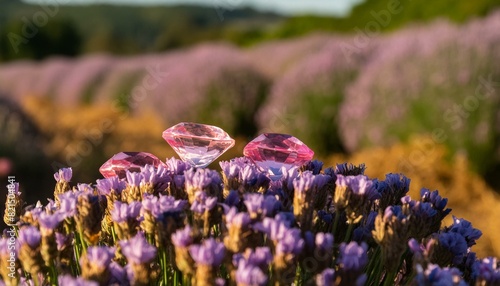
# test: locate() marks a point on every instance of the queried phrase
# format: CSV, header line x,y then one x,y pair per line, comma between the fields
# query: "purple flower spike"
x,y
134,178
176,166
182,238
29,235
464,228
68,204
209,253
360,185
290,243
434,275
353,257
63,175
104,186
137,250
326,278
234,218
50,221
248,274
203,203
123,212
100,256
65,280
489,271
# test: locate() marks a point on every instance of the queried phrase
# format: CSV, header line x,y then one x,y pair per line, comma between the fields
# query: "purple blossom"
x,y
489,271
182,237
233,199
238,219
434,275
63,240
209,253
100,256
464,228
63,175
123,212
137,250
326,278
359,185
203,203
353,256
200,179
436,200
455,243
291,242
84,188
176,166
68,280
50,221
118,274
346,169
104,186
249,274
314,166
324,241
133,178
68,204
29,235
254,203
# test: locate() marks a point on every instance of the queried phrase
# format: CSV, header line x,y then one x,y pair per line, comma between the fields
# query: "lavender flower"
x,y
209,253
248,274
352,260
182,237
68,203
465,229
203,203
489,272
30,236
356,195
434,275
65,280
118,274
176,166
325,278
63,175
137,250
392,189
50,221
100,256
104,186
123,212
133,178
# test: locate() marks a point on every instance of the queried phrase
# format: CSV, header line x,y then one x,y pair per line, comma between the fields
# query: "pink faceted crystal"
x,y
272,151
131,161
198,144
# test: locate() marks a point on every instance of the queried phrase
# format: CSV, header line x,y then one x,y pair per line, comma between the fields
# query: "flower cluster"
x,y
178,225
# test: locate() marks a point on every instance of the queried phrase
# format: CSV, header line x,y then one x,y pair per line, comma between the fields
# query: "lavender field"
x,y
336,93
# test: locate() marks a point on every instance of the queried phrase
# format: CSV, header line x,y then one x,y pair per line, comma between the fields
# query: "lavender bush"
x,y
176,225
441,80
306,99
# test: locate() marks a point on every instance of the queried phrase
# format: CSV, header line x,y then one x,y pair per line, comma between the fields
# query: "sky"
x,y
289,7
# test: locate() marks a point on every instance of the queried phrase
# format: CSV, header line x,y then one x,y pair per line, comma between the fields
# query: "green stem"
x,y
335,223
348,233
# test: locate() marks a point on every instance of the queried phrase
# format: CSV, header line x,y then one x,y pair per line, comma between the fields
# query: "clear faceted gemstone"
x,y
272,151
131,161
198,144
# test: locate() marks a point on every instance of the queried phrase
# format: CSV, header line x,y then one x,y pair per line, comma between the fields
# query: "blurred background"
x,y
402,86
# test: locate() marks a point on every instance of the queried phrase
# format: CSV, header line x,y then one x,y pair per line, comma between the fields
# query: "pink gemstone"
x,y
198,144
131,161
271,151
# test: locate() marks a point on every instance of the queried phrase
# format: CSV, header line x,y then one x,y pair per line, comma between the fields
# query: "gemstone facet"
x,y
131,161
198,144
272,151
